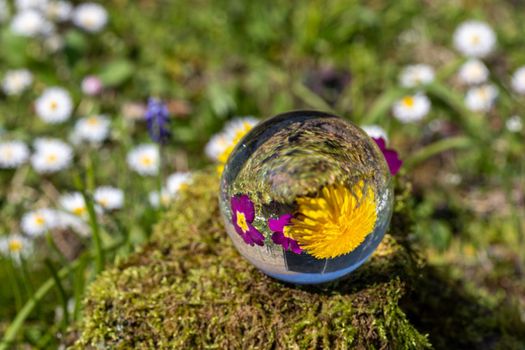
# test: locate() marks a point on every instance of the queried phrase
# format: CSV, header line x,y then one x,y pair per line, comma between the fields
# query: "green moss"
x,y
189,288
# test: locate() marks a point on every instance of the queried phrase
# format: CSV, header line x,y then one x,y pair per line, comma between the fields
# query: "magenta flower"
x,y
278,226
243,214
391,157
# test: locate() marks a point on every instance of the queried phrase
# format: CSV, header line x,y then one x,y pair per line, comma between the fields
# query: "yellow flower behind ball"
x,y
336,222
222,144
223,157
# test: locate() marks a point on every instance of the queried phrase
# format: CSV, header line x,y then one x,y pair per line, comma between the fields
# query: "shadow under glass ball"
x,y
306,197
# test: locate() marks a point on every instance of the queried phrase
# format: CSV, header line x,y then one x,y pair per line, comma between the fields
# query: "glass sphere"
x,y
306,197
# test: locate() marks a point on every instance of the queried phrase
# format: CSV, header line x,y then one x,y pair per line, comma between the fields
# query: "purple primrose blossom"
x,y
243,214
278,226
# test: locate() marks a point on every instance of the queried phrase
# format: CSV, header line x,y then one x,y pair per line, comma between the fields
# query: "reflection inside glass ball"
x,y
306,197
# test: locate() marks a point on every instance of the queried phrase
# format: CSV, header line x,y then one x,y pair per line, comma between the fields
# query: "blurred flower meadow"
x,y
106,109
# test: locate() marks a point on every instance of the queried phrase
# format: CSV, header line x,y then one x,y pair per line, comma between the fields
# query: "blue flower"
x,y
157,117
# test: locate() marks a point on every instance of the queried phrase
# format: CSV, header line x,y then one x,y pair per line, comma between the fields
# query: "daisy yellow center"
x,y
92,121
39,220
239,134
146,160
51,158
475,39
417,77
241,221
336,222
79,211
484,94
408,101
103,202
8,153
476,70
89,21
15,245
53,105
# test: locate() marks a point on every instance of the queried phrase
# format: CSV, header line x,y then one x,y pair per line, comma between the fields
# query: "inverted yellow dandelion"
x,y
336,222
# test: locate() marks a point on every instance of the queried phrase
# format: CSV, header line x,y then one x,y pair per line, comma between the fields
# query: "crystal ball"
x,y
306,197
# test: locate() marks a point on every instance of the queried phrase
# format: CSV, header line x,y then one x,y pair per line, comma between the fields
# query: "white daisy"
x,y
109,198
176,181
144,159
15,246
42,142
91,85
30,4
375,131
518,80
164,198
474,39
227,138
514,124
473,72
90,16
416,75
481,98
51,155
30,23
94,129
36,223
59,10
16,81
216,145
54,105
74,203
235,125
411,108
13,154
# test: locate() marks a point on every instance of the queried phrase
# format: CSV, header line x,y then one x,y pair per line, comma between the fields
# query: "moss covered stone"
x,y
189,288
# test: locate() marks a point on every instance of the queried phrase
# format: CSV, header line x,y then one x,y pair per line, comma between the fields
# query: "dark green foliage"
x,y
189,288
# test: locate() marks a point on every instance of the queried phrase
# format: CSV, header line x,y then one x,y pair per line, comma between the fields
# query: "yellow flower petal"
x,y
336,222
223,157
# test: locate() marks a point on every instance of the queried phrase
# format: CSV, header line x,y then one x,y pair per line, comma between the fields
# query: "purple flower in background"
x,y
157,117
243,214
391,157
279,226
